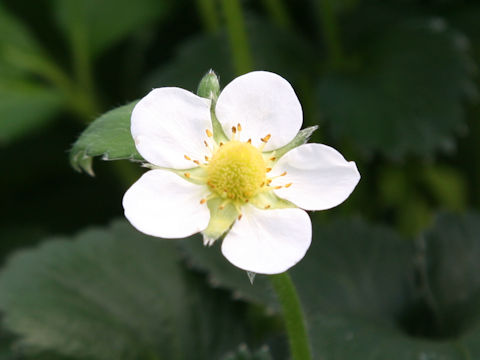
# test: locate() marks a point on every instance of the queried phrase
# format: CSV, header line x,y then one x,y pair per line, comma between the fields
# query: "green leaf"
x,y
453,272
243,353
225,275
400,101
24,108
25,104
363,302
114,293
108,136
19,50
274,49
96,26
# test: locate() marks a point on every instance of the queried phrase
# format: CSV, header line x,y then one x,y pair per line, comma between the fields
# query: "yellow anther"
x,y
196,162
249,141
288,185
273,158
266,138
187,175
267,207
203,201
240,217
221,143
209,133
269,181
239,127
283,174
268,169
205,142
187,157
234,129
278,187
206,158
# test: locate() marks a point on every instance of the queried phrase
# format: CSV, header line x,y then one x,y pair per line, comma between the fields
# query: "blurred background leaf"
x,y
407,94
113,293
94,26
26,103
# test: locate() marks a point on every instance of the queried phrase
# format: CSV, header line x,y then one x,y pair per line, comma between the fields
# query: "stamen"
x,y
278,187
187,175
249,141
221,143
240,217
196,162
267,207
288,185
209,133
269,181
266,138
203,201
234,129
239,127
268,170
207,158
273,158
283,174
205,142
187,157
222,205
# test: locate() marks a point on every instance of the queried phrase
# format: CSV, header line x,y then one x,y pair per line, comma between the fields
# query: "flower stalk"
x,y
232,10
293,316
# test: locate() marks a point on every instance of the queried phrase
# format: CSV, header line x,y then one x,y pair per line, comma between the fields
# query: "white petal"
x,y
263,103
268,241
169,123
162,204
321,177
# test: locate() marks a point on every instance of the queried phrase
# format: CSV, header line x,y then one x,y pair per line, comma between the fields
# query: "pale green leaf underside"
x,y
108,136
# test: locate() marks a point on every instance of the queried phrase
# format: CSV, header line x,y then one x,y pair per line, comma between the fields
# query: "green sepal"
x,y
218,133
209,86
270,200
220,220
300,139
198,175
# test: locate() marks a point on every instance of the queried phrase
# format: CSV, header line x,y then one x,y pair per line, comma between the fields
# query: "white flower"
x,y
240,176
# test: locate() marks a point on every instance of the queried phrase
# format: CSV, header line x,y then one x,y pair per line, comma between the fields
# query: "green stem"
x,y
293,315
237,33
278,12
330,32
209,15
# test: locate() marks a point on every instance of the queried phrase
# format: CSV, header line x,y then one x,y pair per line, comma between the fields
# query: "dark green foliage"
x,y
393,85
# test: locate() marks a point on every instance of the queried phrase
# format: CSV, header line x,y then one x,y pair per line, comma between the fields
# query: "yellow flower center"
x,y
236,171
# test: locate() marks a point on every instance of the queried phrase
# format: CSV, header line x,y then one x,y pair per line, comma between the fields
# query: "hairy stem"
x,y
293,316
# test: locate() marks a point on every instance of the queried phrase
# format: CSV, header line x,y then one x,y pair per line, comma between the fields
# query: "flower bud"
x,y
209,86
